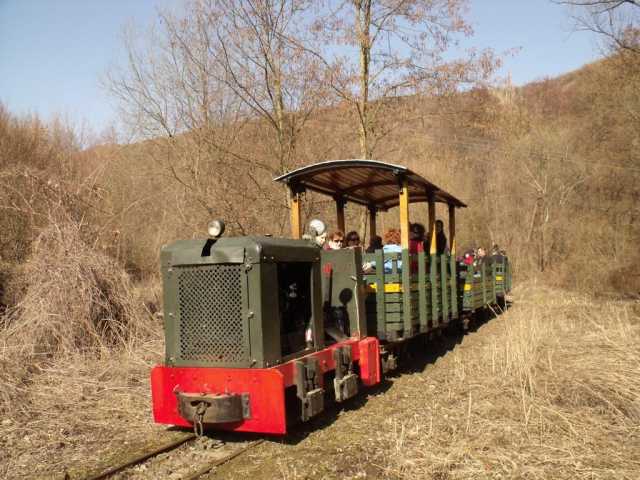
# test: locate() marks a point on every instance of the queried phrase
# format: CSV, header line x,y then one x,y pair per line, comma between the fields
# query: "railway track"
x,y
186,458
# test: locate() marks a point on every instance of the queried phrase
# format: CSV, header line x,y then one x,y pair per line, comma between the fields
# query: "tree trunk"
x,y
363,20
279,110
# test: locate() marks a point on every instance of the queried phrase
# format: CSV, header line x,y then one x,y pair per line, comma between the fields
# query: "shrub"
x,y
76,298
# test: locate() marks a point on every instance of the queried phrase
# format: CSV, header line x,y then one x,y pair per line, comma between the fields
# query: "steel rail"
x,y
168,447
203,471
141,458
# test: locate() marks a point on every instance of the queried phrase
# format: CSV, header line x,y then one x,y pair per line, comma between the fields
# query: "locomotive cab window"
x,y
294,301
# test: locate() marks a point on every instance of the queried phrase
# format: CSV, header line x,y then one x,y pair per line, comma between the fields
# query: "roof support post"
x,y
340,203
432,225
404,213
407,314
452,261
294,203
452,229
372,222
435,305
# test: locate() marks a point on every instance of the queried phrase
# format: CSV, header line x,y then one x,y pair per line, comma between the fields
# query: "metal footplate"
x,y
212,408
309,391
345,382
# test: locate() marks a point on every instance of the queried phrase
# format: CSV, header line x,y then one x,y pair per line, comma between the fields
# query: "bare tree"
x,y
397,48
264,54
212,78
615,20
168,96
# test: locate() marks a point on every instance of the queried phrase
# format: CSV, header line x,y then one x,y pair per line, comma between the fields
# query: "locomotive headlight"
x,y
215,228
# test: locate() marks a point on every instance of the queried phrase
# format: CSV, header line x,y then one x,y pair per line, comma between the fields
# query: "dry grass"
x,y
75,355
76,298
550,389
555,393
77,412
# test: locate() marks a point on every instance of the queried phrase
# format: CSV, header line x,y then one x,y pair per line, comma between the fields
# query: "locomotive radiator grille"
x,y
211,314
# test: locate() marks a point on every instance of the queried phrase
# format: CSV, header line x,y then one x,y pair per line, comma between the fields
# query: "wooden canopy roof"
x,y
365,182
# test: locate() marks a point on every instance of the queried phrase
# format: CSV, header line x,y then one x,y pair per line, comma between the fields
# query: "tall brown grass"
x,y
74,356
548,390
552,390
75,300
75,297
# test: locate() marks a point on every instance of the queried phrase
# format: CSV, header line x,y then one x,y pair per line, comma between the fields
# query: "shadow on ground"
x,y
421,353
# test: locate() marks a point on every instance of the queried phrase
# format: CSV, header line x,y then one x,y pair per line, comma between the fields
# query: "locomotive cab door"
x,y
295,300
343,294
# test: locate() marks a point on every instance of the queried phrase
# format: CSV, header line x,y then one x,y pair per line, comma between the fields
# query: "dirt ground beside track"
x,y
549,389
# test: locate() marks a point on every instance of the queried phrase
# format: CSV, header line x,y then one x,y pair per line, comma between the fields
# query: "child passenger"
x,y
441,238
416,238
392,241
336,240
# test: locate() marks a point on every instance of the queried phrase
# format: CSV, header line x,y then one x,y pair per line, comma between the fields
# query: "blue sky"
x,y
52,52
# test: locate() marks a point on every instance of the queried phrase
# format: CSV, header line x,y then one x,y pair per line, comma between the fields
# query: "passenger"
x,y
480,257
352,239
392,241
321,240
469,257
441,238
496,254
317,232
336,240
416,243
375,244
416,238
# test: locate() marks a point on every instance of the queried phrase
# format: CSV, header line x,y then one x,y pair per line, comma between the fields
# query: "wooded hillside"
x,y
550,172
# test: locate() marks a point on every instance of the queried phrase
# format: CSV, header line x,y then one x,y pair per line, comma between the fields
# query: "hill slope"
x,y
550,172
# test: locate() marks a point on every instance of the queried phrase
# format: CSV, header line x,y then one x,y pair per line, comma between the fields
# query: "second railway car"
x,y
260,332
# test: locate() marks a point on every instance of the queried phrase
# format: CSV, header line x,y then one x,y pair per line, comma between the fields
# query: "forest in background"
x,y
550,172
